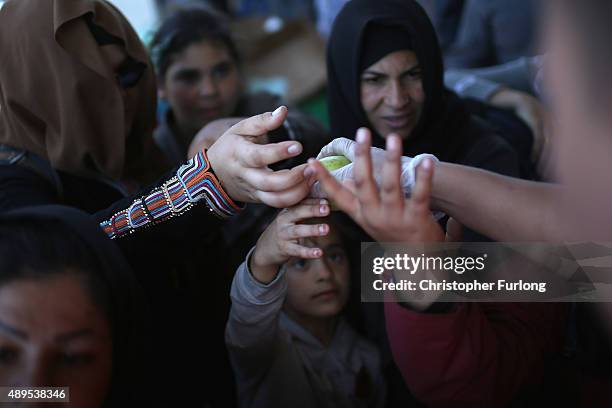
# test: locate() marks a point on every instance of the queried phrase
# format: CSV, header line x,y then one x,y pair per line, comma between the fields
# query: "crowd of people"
x,y
206,258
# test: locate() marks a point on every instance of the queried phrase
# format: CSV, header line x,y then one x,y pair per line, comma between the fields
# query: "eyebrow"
x,y
66,337
13,331
334,245
187,71
409,70
223,62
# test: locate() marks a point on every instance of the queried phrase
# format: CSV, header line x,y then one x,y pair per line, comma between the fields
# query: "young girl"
x,y
288,343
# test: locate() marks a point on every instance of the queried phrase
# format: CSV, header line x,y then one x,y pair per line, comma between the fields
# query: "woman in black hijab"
x,y
385,72
62,278
365,33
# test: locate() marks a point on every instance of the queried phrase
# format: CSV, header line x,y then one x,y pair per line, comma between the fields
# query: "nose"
x,y
208,87
324,270
35,373
396,95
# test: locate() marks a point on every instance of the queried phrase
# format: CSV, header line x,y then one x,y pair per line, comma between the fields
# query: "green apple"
x,y
332,163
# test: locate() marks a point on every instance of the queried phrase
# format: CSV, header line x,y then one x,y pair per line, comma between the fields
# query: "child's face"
x,y
202,84
319,287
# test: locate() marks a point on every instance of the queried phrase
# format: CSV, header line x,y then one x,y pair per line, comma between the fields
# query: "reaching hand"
x,y
209,134
384,213
241,164
280,241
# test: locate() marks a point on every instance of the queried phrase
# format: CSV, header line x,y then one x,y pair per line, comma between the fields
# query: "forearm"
x,y
255,309
502,208
174,195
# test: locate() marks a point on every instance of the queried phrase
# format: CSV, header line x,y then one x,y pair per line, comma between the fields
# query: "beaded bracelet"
x,y
193,183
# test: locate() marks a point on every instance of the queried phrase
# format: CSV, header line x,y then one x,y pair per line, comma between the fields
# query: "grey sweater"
x,y
278,363
494,32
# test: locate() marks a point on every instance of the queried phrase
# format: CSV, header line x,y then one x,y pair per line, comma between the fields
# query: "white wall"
x,y
142,14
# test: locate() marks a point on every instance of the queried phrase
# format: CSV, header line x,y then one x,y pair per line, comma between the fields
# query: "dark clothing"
x,y
171,262
77,123
41,241
494,32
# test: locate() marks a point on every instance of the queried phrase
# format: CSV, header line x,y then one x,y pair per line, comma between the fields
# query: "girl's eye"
x,y
222,71
188,77
299,264
337,257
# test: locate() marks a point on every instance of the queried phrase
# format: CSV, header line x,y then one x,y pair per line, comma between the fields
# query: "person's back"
x,y
493,32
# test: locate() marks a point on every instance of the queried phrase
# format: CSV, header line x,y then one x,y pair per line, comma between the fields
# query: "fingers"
x,y
367,192
299,231
259,125
299,251
258,156
391,186
267,180
341,196
309,208
286,198
421,193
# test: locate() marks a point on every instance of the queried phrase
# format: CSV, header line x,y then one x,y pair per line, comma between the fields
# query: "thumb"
x,y
259,125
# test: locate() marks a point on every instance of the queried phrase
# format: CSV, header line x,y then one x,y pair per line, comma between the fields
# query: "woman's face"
x,y
202,84
319,287
52,335
392,93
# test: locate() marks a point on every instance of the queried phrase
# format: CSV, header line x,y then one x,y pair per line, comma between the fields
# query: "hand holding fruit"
x,y
338,156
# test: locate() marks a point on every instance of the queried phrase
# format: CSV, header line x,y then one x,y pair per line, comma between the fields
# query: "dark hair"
x,y
42,249
187,26
39,245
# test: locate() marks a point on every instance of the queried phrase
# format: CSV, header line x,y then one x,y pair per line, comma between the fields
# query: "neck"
x,y
322,328
184,134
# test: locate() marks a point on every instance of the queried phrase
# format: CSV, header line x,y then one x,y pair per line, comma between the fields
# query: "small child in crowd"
x,y
288,342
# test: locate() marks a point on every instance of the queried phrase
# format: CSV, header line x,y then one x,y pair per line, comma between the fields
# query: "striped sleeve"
x,y
193,183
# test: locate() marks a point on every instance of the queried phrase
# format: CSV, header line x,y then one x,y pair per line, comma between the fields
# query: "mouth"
x,y
214,111
397,122
328,294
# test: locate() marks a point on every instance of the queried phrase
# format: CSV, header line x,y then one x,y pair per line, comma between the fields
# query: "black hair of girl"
x,y
39,243
187,26
351,237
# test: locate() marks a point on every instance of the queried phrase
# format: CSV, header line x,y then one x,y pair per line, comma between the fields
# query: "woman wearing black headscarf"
x,y
429,118
61,278
385,72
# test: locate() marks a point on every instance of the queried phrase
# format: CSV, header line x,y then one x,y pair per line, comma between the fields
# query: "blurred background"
x,y
269,35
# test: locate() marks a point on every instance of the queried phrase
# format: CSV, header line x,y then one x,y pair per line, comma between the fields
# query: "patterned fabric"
x,y
194,182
